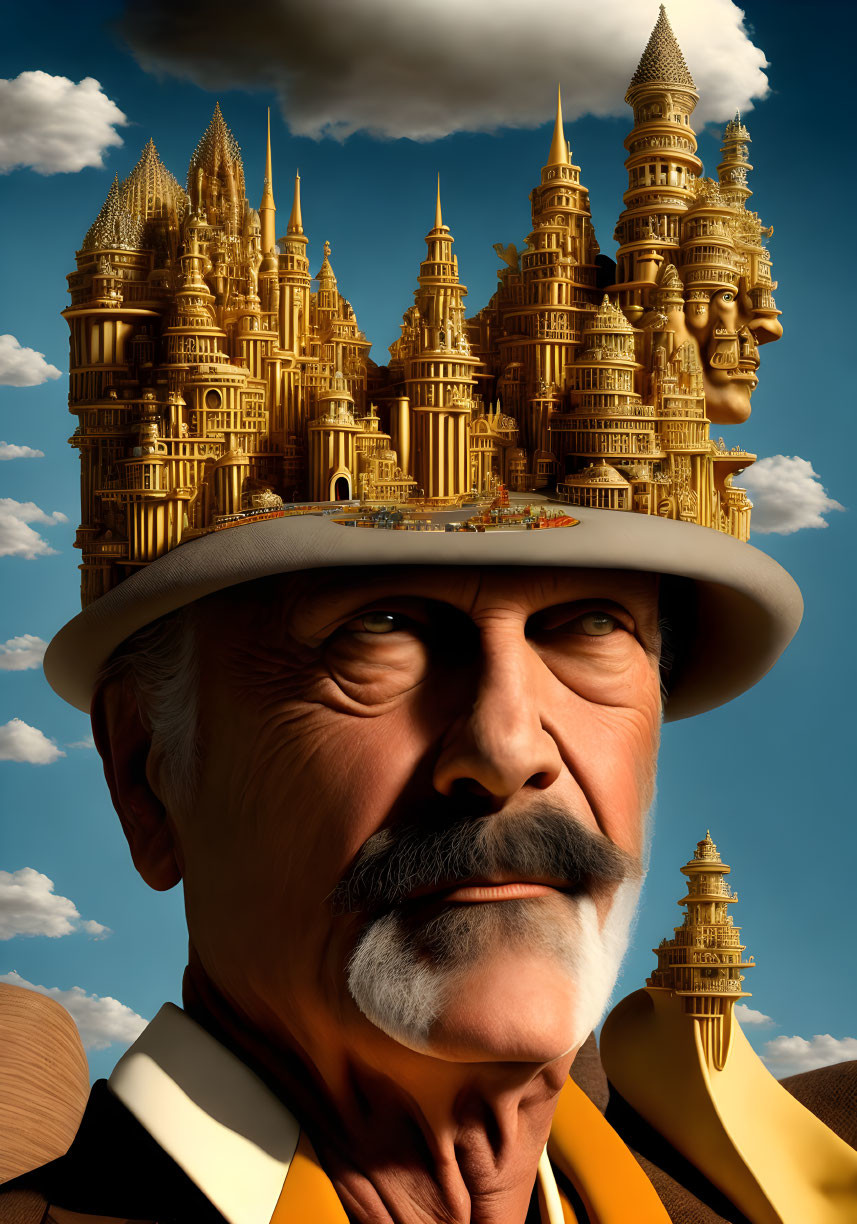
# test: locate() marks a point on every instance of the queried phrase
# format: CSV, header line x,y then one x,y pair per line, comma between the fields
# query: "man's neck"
x,y
405,1140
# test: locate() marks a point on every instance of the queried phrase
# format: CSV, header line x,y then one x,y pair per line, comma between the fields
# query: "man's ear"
x,y
124,745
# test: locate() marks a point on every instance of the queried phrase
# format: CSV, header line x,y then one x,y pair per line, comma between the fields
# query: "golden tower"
x,y
433,362
662,167
676,1054
531,329
702,963
607,423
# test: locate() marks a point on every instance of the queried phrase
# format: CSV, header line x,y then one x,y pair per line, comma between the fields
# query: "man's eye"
x,y
377,622
727,297
594,624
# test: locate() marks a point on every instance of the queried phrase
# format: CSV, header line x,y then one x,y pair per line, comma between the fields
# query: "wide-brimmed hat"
x,y
738,613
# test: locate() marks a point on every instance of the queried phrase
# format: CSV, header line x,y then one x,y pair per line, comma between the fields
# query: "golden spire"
x,y
438,215
662,59
115,228
150,191
558,155
268,209
268,188
296,225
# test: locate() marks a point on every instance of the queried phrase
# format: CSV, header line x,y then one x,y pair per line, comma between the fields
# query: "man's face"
x,y
436,776
729,331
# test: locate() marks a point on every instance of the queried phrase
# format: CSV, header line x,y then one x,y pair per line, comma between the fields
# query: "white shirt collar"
x,y
210,1113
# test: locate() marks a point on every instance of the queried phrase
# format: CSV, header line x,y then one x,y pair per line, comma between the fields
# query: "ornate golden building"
x,y
214,377
702,963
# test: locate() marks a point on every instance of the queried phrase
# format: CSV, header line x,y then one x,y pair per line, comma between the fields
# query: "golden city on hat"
x,y
232,424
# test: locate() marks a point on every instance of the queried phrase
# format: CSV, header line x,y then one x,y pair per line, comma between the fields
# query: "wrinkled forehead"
x,y
305,603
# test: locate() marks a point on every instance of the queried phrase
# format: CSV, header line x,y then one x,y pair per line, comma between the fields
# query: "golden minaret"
x,y
433,363
702,963
267,208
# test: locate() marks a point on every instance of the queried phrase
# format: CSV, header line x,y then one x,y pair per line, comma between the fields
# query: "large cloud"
x,y
29,906
23,367
101,1020
787,495
52,125
11,450
22,653
790,1055
17,537
21,742
431,67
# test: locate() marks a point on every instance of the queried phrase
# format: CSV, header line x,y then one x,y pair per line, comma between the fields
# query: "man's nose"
x,y
500,745
765,329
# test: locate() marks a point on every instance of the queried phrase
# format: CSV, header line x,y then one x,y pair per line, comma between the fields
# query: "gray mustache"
x,y
544,843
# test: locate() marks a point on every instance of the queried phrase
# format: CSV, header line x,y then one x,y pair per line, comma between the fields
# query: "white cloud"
x,y
21,742
22,653
432,67
17,538
88,742
23,367
787,495
29,906
791,1055
748,1015
11,450
101,1020
52,125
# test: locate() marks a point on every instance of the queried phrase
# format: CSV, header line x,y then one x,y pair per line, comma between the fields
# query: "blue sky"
x,y
772,774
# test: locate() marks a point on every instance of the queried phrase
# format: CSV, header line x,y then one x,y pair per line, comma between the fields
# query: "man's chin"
x,y
511,1007
519,980
728,402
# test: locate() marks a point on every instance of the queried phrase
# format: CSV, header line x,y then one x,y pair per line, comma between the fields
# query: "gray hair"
x,y
160,662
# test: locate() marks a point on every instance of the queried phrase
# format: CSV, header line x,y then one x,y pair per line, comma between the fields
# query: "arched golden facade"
x,y
214,377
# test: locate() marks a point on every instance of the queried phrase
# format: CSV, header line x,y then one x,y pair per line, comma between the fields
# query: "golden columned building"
x,y
215,377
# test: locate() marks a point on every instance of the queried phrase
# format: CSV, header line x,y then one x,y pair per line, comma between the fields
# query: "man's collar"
x,y
210,1113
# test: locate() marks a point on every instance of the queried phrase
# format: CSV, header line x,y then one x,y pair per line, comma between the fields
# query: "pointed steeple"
x,y
438,215
558,155
662,59
295,225
150,191
267,208
268,186
215,176
115,228
325,276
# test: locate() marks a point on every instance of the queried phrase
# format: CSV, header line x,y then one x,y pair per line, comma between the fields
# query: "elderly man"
x,y
401,759
407,801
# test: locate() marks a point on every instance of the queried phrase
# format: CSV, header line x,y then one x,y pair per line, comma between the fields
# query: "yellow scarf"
x,y
611,1185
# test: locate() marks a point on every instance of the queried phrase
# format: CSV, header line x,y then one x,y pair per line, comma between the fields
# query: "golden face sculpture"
x,y
728,331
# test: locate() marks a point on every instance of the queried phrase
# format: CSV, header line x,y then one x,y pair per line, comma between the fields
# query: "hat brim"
x,y
747,608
